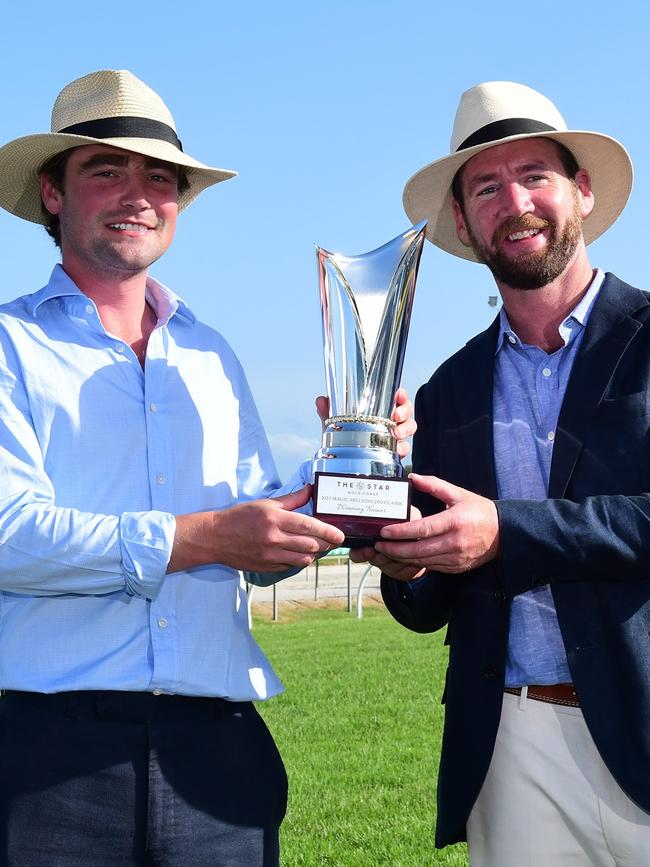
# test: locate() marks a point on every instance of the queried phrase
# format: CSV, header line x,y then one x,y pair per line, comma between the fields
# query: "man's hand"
x,y
464,536
394,568
405,425
323,409
259,536
402,571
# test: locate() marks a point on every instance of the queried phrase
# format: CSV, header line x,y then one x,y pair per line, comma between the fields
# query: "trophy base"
x,y
360,505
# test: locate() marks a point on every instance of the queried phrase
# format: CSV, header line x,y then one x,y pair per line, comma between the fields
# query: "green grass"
x,y
359,729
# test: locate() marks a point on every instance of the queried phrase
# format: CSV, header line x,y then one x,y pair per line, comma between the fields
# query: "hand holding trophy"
x,y
366,304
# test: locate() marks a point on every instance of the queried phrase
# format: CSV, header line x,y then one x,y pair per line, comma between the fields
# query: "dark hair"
x,y
54,171
569,164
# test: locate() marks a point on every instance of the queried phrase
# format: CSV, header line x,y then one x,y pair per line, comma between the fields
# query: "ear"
x,y
52,196
461,228
583,182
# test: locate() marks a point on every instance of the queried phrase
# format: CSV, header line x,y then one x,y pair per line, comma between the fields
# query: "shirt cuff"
x,y
265,579
146,540
303,476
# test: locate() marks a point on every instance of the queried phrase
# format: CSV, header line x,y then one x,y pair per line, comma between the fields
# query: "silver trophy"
x,y
366,304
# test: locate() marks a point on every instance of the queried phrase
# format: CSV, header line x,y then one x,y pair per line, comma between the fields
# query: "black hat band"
x,y
125,127
500,129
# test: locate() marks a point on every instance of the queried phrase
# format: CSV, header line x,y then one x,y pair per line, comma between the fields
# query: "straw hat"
x,y
110,107
497,112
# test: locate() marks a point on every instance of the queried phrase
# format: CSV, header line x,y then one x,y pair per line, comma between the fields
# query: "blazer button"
x,y
491,672
500,595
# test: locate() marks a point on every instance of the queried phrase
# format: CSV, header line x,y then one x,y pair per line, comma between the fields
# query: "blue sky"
x,y
325,111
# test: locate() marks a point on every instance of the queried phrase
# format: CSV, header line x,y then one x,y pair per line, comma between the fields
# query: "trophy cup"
x,y
366,304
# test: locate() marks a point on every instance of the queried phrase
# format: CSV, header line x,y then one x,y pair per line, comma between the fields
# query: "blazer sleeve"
x,y
600,537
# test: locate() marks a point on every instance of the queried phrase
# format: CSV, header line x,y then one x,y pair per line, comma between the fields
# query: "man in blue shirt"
x,y
533,477
135,484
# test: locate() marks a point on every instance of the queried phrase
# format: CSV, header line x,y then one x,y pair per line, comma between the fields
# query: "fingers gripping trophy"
x,y
366,304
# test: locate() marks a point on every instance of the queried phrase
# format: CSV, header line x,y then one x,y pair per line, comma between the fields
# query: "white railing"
x,y
277,593
362,583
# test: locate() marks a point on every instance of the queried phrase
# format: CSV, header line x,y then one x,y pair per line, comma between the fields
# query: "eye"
x,y
162,179
486,191
536,179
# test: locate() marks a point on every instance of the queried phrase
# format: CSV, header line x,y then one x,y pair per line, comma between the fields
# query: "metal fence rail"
x,y
316,582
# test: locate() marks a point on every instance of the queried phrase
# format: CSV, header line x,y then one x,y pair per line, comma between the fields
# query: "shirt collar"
x,y
580,314
164,302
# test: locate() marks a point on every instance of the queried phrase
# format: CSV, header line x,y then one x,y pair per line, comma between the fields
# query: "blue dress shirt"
x,y
96,458
529,387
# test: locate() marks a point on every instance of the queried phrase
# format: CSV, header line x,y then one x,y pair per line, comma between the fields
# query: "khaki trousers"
x,y
549,801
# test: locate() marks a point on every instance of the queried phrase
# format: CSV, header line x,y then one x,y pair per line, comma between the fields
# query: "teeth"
x,y
527,233
131,227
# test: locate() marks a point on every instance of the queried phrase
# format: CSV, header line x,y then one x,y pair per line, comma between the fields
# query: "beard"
x,y
117,257
536,269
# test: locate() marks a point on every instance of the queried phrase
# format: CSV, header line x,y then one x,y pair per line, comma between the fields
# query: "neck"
x,y
121,304
536,314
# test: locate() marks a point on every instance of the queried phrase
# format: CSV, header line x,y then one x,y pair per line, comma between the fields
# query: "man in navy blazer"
x,y
532,467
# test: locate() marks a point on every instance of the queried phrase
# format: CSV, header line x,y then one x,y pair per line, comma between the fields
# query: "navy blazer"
x,y
590,541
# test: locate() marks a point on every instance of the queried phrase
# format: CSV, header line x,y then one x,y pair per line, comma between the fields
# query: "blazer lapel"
x,y
609,331
473,384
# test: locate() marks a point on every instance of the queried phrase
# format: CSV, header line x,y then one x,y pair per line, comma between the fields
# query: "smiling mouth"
x,y
524,233
129,227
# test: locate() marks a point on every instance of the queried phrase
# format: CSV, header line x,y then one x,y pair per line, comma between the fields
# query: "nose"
x,y
134,194
516,200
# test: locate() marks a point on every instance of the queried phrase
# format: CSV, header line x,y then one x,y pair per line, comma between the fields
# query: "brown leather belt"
x,y
557,693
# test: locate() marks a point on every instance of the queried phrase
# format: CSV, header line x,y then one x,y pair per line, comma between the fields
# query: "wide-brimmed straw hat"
x,y
497,112
110,107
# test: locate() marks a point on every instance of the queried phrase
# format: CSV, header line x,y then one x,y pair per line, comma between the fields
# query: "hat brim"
x,y
427,194
22,159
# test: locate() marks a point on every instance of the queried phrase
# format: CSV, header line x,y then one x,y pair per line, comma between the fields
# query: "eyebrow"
x,y
110,159
538,165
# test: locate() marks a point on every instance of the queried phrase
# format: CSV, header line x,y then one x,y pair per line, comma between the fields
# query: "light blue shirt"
x,y
96,458
529,387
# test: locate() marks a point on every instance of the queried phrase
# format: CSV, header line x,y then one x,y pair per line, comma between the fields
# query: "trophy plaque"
x,y
366,304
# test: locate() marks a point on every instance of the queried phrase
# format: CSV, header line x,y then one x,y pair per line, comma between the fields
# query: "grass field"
x,y
359,730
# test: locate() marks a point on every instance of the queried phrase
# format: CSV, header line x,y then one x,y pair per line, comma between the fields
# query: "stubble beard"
x,y
528,271
132,261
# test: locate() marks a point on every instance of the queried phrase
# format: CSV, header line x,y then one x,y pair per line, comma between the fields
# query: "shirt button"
x,y
90,308
512,339
119,347
550,436
162,622
153,407
547,371
160,479
157,692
